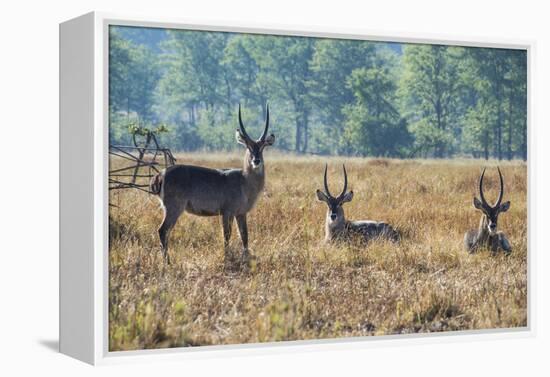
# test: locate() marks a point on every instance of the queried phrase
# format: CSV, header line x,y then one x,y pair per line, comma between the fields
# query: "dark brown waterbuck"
x,y
230,193
487,235
336,225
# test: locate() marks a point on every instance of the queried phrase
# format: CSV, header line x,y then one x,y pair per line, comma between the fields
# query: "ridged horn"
x,y
327,191
345,182
501,194
266,123
241,126
483,201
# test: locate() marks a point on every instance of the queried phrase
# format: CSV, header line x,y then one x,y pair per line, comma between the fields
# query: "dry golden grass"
x,y
299,288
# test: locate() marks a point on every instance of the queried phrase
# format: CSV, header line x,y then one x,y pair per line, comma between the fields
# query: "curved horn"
x,y
326,184
241,126
481,188
501,194
345,182
266,123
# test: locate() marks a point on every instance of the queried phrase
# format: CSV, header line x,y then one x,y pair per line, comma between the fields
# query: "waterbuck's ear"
x,y
322,196
240,138
270,140
347,197
504,207
477,203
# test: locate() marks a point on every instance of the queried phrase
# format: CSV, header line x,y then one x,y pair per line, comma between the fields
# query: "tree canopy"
x,y
327,96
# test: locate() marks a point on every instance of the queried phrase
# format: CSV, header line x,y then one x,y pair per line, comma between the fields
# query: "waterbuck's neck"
x,y
483,231
255,177
335,228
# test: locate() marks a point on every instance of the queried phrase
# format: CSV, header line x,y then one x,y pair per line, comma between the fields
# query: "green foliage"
x,y
249,81
133,77
136,129
499,81
373,126
332,63
284,68
429,89
327,96
213,134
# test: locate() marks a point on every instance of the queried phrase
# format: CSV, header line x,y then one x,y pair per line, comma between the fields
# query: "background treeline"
x,y
326,96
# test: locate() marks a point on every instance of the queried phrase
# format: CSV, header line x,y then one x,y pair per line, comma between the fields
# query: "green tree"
x,y
476,134
429,90
248,80
284,62
373,125
327,96
496,80
134,75
194,83
491,66
516,106
332,63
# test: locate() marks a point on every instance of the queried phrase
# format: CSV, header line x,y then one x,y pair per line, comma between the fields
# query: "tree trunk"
x,y
305,123
192,120
510,122
499,131
486,145
438,112
128,108
228,93
298,118
298,140
499,111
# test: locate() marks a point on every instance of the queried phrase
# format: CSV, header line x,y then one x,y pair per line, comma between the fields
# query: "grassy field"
x,y
300,288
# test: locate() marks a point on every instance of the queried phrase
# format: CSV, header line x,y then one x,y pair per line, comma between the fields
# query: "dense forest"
x,y
326,96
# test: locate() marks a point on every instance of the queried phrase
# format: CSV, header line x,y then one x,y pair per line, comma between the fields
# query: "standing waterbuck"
x,y
200,191
336,225
487,235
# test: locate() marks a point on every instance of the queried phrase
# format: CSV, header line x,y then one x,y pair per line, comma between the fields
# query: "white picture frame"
x,y
84,191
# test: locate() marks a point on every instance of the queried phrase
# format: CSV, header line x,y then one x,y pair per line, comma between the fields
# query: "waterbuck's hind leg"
x,y
172,212
243,231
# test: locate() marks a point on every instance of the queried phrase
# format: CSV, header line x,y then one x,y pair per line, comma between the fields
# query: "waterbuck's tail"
x,y
156,183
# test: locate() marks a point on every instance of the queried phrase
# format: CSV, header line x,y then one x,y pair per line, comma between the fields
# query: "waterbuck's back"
x,y
203,191
374,229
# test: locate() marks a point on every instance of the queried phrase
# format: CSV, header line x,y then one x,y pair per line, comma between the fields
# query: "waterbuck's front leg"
x,y
243,231
494,243
504,243
227,220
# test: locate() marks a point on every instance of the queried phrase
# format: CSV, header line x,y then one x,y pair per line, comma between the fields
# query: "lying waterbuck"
x,y
487,235
336,225
200,191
